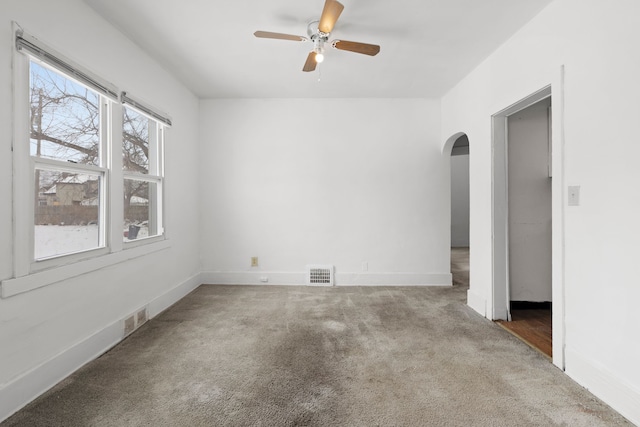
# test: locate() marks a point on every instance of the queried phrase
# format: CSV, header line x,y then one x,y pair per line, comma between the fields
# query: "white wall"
x,y
594,116
460,201
341,182
529,203
48,332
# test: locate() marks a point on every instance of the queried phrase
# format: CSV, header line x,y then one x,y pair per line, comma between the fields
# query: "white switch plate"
x,y
574,195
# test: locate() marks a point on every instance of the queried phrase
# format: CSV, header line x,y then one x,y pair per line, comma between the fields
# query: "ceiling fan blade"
x,y
364,48
279,36
311,63
330,14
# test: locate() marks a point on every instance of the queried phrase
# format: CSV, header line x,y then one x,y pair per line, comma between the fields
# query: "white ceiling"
x,y
427,46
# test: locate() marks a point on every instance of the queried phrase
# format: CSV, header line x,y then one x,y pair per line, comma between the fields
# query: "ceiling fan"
x,y
318,33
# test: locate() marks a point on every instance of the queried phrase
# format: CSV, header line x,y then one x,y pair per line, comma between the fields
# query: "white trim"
x,y
612,389
23,181
10,287
135,176
500,312
41,53
172,296
145,109
28,386
558,206
141,241
500,289
477,302
106,110
252,278
44,163
29,273
341,279
22,390
393,279
498,303
115,192
59,260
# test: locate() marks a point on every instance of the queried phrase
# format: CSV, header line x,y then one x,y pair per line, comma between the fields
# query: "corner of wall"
x,y
19,392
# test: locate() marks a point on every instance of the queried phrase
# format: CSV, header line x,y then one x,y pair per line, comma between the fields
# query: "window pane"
x,y
65,118
140,207
66,213
135,141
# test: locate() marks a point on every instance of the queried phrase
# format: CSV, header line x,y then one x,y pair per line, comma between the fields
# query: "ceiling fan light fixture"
x,y
318,32
319,54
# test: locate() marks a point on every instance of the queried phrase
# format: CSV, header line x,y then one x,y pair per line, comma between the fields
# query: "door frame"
x,y
499,199
500,213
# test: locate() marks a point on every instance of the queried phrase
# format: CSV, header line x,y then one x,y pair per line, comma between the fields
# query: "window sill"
x,y
18,285
130,244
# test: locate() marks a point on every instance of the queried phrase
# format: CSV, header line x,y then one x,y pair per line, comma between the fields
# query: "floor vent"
x,y
320,275
134,321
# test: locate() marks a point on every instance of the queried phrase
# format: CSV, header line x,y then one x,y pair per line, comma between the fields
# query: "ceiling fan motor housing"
x,y
318,32
317,37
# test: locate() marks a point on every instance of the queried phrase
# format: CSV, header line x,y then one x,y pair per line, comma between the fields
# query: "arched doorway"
x,y
457,150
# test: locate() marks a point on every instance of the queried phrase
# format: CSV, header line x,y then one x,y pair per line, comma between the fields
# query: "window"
x,y
66,146
142,170
89,169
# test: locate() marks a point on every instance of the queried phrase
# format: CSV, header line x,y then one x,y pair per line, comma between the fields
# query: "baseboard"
x,y
477,302
22,390
610,388
252,278
341,279
172,296
393,279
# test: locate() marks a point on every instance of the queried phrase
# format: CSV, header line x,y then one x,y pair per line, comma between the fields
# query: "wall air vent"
x,y
320,275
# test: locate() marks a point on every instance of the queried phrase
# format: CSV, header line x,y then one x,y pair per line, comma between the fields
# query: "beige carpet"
x,y
313,356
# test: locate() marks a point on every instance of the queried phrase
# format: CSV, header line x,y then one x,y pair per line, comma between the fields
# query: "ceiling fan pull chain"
x,y
319,72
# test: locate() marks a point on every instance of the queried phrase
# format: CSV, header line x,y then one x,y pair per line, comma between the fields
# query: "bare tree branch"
x,y
45,137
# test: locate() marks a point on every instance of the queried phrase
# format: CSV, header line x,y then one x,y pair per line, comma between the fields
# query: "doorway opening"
x,y
459,172
522,194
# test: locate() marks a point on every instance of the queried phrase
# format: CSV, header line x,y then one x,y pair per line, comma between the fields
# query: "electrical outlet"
x,y
254,261
264,279
365,266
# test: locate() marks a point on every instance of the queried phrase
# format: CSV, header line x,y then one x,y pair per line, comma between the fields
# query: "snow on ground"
x,y
53,240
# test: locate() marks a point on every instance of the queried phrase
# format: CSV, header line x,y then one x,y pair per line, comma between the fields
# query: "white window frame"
x,y
106,110
155,173
29,273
